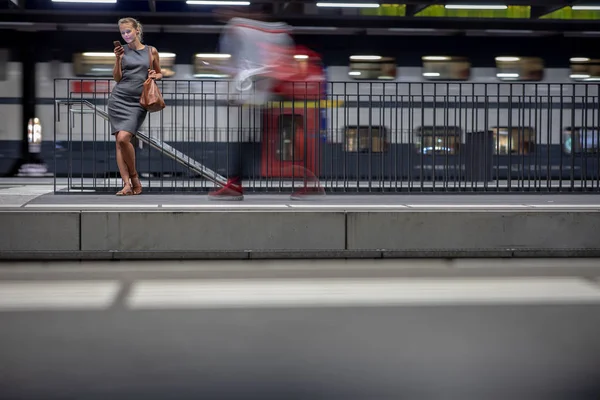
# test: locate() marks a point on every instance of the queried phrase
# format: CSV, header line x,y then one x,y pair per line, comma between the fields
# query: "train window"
x,y
100,65
585,69
517,140
364,139
519,68
438,139
211,66
446,68
372,67
291,137
581,140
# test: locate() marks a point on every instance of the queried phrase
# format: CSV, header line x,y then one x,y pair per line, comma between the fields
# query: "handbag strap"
x,y
150,55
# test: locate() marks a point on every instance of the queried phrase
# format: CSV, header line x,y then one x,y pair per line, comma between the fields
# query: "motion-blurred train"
x,y
368,120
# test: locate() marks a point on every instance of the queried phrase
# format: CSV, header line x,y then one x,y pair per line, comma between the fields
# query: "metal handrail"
x,y
156,144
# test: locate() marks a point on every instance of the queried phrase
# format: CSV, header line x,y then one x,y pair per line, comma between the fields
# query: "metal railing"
x,y
78,106
347,136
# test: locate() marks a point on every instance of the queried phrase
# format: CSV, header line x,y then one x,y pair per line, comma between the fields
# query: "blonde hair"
x,y
137,25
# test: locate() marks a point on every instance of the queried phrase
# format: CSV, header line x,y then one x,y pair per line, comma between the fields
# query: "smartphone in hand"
x,y
119,50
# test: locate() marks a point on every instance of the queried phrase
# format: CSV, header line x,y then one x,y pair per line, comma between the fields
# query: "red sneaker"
x,y
232,191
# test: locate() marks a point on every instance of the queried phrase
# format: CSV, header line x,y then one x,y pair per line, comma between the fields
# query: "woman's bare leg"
x,y
125,160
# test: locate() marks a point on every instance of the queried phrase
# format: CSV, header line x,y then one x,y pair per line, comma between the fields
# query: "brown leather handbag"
x,y
151,98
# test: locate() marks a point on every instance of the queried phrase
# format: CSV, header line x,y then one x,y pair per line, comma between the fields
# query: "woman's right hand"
x,y
119,51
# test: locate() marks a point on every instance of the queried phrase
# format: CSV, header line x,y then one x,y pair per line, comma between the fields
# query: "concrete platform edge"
x,y
266,255
141,235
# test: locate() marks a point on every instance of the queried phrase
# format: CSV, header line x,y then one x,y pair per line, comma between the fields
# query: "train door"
x,y
290,139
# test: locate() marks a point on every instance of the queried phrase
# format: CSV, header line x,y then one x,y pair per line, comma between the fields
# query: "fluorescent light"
x,y
210,76
354,73
507,59
436,58
92,54
411,30
580,59
314,28
431,74
301,57
18,24
579,76
474,7
349,5
86,1
95,54
507,75
585,8
204,26
365,58
509,31
218,56
217,3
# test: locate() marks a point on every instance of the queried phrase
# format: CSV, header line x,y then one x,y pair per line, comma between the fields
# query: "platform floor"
x,y
335,330
39,194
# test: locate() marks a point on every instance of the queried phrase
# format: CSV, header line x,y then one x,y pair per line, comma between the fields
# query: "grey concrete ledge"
x,y
140,235
315,254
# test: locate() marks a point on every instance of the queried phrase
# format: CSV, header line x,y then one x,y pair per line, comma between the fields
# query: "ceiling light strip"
x,y
217,3
585,8
349,5
86,1
475,7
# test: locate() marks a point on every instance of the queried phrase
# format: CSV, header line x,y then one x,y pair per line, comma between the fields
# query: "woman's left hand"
x,y
152,74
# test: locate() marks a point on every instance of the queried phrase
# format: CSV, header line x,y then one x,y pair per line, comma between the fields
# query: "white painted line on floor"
x,y
182,294
316,205
228,205
447,206
223,205
347,206
63,295
592,206
84,206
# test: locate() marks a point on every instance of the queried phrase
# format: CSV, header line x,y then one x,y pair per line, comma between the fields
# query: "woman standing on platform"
x,y
132,68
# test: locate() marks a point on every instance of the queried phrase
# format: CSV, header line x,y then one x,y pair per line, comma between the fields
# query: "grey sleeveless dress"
x,y
124,109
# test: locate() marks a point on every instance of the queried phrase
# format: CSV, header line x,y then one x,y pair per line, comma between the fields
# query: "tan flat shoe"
x,y
126,191
137,185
